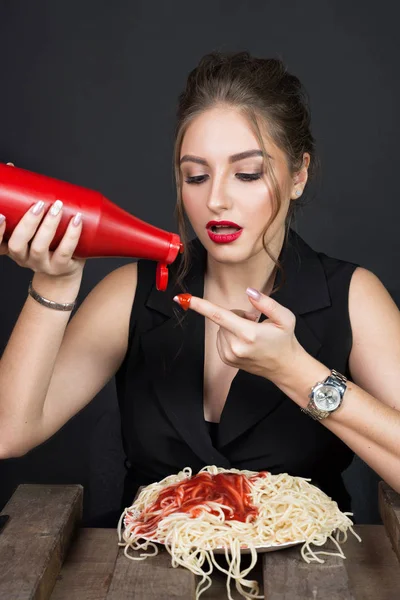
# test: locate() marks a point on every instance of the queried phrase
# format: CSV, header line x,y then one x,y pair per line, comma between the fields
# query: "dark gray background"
x,y
88,92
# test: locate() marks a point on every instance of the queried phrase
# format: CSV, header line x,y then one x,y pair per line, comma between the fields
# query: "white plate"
x,y
259,549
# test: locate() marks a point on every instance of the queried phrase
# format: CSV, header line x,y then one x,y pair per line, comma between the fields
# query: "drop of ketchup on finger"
x,y
184,300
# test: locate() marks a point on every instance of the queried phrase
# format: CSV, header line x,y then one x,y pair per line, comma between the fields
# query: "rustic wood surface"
x,y
370,569
389,508
89,566
372,566
35,540
153,579
285,576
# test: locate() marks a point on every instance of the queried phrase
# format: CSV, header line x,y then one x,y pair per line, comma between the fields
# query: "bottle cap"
x,y
161,277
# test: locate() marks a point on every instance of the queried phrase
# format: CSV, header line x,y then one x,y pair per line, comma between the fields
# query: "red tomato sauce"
x,y
190,495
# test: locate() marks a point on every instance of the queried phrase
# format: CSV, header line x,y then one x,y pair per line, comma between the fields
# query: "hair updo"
x,y
269,98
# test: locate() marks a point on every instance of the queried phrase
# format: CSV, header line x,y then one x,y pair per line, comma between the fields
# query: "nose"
x,y
219,198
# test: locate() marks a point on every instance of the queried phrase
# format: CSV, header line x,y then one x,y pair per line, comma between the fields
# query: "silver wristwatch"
x,y
326,396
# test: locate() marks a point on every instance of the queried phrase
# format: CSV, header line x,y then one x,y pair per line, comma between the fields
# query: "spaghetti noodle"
x,y
229,509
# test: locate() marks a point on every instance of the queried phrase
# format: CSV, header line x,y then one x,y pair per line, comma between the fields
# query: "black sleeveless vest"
x,y
160,382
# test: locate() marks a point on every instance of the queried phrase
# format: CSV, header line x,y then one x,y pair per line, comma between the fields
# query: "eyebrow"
x,y
231,159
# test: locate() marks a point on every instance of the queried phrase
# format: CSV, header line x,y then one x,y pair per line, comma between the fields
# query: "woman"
x,y
226,389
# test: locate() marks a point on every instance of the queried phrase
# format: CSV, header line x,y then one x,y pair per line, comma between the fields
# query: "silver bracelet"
x,y
50,303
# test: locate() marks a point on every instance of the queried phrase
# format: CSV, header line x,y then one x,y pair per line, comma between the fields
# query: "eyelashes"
x,y
241,176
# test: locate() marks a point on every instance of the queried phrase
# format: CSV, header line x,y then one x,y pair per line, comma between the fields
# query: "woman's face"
x,y
217,186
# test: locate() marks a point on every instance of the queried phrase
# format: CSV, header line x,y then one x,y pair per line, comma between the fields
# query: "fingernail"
x,y
253,293
183,300
77,219
38,207
2,219
55,209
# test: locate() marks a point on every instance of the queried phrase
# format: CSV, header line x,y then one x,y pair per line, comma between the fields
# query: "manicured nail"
x,y
38,207
55,209
253,293
77,219
2,219
183,300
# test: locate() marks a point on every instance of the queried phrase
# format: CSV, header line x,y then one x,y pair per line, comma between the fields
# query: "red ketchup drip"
x,y
184,300
230,489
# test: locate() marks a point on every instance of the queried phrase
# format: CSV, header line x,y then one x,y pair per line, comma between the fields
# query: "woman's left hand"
x,y
266,349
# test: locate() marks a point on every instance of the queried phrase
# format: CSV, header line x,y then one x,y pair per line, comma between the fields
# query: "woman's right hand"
x,y
39,235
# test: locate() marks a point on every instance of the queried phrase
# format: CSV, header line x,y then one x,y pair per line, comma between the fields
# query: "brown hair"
x,y
270,98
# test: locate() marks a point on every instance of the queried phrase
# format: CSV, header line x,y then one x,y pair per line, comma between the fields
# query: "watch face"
x,y
327,397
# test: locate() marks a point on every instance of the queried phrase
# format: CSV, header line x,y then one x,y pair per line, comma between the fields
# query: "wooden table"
x,y
45,555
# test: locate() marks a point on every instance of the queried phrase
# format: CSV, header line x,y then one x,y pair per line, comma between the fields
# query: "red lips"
x,y
226,223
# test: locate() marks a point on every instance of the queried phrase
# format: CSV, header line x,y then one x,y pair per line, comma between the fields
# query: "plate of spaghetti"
x,y
231,512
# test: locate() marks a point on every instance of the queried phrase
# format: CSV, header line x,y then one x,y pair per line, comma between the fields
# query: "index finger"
x,y
219,315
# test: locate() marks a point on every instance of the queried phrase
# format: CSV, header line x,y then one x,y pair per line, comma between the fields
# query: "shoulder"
x,y
125,276
118,287
367,295
318,280
364,280
334,266
370,304
310,260
375,323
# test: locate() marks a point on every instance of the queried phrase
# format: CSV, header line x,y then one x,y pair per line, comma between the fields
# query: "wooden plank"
x,y
217,591
151,579
34,542
88,569
372,565
389,508
374,548
288,577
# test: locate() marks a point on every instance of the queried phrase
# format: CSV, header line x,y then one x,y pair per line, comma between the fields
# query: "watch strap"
x,y
316,413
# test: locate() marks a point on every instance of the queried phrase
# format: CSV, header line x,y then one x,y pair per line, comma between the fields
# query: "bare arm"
x,y
369,419
49,371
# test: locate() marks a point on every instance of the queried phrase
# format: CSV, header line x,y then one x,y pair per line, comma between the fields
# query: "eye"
x,y
195,179
241,176
248,176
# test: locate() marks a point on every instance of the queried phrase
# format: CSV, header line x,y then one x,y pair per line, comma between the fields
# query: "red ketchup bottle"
x,y
107,230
